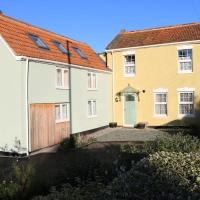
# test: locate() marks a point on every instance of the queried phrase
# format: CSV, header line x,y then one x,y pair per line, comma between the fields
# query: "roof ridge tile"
x,y
161,28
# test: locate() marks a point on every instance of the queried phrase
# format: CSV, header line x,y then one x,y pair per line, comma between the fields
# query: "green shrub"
x,y
161,176
85,191
75,141
69,143
170,143
16,184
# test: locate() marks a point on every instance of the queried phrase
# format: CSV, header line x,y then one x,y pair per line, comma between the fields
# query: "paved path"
x,y
128,134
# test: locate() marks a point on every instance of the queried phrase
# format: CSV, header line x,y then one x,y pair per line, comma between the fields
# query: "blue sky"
x,y
97,22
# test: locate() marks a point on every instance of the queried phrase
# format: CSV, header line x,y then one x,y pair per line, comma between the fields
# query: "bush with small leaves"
x,y
85,191
161,176
69,143
170,143
15,185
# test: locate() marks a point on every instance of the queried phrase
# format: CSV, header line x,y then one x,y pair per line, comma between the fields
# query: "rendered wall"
x,y
42,84
12,100
81,95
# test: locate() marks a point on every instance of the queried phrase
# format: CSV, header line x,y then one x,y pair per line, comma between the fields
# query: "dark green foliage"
x,y
84,191
76,141
166,169
171,143
161,176
69,143
15,185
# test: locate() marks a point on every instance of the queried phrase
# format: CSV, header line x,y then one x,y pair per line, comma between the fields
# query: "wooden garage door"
x,y
44,131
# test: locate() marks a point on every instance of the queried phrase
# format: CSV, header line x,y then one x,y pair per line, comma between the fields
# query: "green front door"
x,y
129,110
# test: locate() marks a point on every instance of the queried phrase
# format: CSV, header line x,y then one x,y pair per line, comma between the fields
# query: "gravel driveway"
x,y
129,134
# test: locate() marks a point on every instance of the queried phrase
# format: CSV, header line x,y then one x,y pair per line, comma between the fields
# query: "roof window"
x,y
61,47
80,53
38,42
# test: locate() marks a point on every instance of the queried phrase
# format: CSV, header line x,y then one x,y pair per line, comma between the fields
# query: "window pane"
x,y
94,108
186,65
89,80
80,53
129,59
59,77
130,98
64,111
38,41
66,78
185,54
94,80
61,47
186,106
89,108
58,114
129,69
187,109
162,97
187,97
161,109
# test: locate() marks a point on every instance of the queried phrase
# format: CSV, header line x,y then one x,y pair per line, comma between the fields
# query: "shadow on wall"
x,y
188,121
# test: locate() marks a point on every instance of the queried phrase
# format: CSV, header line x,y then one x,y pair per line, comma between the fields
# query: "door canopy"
x,y
129,90
126,90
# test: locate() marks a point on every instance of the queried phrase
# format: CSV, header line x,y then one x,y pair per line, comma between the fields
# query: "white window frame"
x,y
185,90
63,86
131,53
92,74
62,119
185,60
92,104
160,91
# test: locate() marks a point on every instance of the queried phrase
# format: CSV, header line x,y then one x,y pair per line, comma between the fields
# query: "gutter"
x,y
20,58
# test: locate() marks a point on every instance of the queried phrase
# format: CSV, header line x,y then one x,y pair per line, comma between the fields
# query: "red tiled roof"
x,y
16,34
163,35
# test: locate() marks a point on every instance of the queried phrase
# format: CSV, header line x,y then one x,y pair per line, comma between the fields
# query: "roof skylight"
x,y
38,41
61,47
80,53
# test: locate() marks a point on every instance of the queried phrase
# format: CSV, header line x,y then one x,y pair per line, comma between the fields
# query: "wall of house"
x,y
12,100
80,96
43,95
157,67
42,84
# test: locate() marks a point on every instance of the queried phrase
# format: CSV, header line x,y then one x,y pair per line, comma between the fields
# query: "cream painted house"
x,y
156,76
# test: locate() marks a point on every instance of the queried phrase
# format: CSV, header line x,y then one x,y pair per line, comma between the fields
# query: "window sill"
x,y
62,88
160,116
61,121
93,116
185,72
129,75
186,116
92,89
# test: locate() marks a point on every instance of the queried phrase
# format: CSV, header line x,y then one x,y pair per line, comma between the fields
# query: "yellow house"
x,y
156,76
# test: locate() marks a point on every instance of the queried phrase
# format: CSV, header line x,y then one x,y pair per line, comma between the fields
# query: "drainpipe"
x,y
70,99
27,105
113,86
